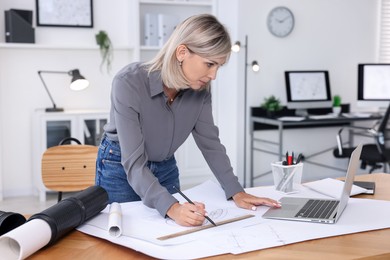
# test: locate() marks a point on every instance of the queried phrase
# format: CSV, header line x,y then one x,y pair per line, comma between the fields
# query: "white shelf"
x,y
57,47
177,2
150,48
41,111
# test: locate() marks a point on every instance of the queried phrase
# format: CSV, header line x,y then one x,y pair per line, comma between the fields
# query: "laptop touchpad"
x,y
290,206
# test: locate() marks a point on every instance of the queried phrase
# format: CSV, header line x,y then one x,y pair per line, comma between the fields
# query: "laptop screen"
x,y
352,169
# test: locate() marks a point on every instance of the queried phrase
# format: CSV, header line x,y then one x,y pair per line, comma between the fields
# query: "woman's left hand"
x,y
248,201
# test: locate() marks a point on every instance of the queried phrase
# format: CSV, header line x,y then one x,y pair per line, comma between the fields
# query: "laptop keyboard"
x,y
317,209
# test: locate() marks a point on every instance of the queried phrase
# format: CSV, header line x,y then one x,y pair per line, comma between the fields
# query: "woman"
x,y
154,108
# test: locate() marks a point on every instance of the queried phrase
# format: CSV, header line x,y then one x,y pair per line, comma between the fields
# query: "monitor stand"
x,y
301,112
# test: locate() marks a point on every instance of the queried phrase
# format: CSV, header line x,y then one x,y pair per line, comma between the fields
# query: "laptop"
x,y
318,210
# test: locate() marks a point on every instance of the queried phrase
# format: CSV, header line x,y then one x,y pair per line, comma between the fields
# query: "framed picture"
x,y
64,13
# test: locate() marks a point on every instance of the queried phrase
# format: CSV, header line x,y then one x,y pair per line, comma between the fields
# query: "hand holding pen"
x,y
196,210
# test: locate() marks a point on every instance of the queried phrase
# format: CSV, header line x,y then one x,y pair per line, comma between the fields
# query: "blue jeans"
x,y
111,175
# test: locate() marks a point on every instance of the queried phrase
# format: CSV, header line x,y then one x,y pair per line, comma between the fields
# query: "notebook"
x,y
318,210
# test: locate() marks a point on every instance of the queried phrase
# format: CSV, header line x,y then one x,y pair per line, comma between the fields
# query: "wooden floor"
x,y
27,205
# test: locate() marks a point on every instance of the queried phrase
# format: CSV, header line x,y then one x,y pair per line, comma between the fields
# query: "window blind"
x,y
384,41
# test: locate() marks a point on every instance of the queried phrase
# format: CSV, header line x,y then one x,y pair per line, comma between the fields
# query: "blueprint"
x,y
141,226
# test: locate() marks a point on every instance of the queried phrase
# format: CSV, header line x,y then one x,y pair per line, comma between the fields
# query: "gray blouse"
x,y
148,129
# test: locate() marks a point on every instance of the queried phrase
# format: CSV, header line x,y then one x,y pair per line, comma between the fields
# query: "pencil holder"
x,y
287,177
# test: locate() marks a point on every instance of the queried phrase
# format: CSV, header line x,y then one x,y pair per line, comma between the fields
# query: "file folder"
x,y
151,30
166,25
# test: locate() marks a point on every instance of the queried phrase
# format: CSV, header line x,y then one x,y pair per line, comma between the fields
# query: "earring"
x,y
180,63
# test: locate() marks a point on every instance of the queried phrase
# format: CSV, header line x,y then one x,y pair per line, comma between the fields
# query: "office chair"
x,y
69,168
374,154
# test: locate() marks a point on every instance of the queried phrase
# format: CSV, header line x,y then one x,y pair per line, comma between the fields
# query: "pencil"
x,y
288,179
190,201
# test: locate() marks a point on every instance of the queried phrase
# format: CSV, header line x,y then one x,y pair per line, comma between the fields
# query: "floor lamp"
x,y
255,67
78,82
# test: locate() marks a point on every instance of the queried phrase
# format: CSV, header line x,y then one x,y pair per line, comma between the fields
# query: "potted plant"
x,y
106,49
271,105
336,107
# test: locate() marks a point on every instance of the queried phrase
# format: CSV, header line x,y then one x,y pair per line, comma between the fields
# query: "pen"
x,y
285,162
292,158
190,201
289,160
299,158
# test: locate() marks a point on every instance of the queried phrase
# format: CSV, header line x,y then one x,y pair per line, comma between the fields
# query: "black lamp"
x,y
255,67
78,82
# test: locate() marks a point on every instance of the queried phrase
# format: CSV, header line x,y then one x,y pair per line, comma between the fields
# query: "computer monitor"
x,y
373,85
308,89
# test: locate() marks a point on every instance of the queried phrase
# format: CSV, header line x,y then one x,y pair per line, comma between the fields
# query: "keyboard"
x,y
359,114
317,209
327,116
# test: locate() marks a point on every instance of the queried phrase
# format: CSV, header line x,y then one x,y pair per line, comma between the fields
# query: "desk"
x,y
281,125
365,245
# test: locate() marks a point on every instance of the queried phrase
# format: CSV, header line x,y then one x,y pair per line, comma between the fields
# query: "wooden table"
x,y
365,245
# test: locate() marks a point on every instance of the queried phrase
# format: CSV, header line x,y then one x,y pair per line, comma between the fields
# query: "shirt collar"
x,y
155,83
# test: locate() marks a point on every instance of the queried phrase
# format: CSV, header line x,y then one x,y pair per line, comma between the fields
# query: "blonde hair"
x,y
203,35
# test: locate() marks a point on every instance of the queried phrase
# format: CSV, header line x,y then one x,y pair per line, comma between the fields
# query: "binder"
x,y
166,25
151,30
368,185
18,26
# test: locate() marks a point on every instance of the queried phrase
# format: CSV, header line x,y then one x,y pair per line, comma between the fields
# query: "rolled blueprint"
x,y
47,227
115,220
9,221
25,240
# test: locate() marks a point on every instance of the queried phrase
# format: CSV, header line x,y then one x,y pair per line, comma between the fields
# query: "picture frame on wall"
x,y
64,13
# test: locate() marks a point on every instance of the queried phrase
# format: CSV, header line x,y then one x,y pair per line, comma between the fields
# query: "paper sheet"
x,y
147,224
239,237
332,187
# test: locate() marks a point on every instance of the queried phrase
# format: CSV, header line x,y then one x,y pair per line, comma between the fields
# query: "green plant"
x,y
336,101
271,104
106,49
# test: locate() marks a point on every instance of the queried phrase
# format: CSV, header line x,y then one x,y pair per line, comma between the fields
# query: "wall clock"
x,y
280,21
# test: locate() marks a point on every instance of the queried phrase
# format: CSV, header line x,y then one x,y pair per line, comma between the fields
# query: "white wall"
x,y
328,35
228,91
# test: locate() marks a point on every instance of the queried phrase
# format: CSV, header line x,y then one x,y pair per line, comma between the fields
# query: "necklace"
x,y
170,93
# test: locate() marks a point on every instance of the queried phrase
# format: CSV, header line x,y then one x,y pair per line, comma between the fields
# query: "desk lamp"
x,y
255,67
77,83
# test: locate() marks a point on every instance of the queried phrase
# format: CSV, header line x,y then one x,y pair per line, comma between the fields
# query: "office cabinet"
x,y
50,128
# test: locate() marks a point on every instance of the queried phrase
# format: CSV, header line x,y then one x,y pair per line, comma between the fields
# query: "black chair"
x,y
376,154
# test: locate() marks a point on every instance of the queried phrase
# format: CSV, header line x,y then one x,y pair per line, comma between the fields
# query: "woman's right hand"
x,y
187,214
